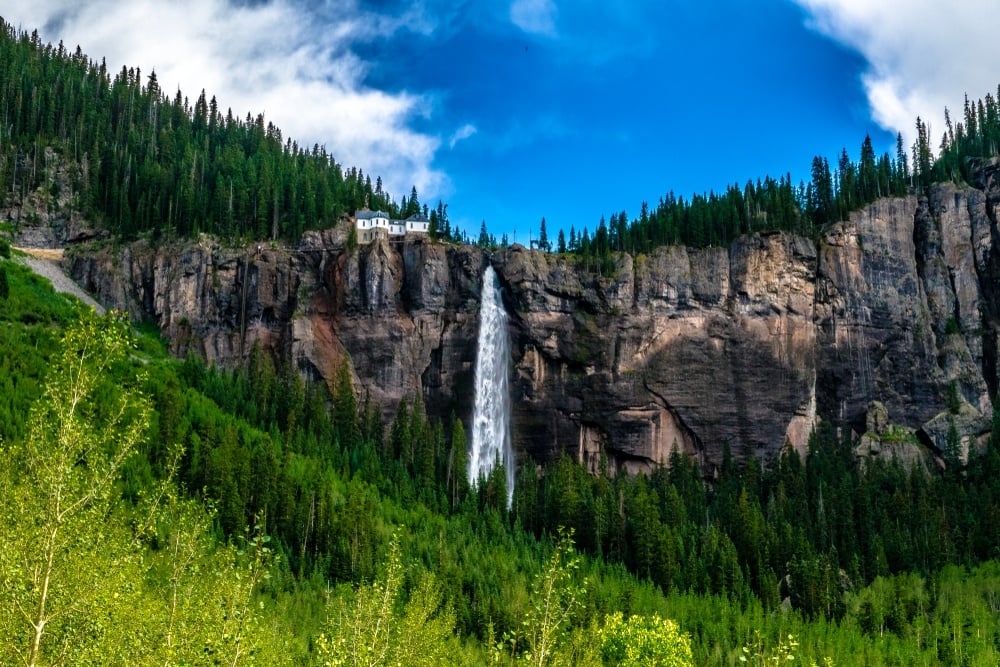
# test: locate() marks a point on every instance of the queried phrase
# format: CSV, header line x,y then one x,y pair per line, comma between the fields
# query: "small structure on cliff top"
x,y
373,224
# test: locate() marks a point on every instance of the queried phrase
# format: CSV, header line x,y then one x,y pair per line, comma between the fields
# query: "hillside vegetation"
x,y
186,515
142,159
160,511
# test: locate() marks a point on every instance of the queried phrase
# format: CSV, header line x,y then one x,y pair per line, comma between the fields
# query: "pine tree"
x,y
458,474
922,156
846,194
868,186
822,191
345,408
543,237
902,175
413,207
432,226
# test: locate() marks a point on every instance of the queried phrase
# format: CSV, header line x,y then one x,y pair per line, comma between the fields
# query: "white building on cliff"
x,y
373,224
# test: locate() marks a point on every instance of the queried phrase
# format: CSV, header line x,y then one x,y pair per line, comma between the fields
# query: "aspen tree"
x,y
61,551
374,630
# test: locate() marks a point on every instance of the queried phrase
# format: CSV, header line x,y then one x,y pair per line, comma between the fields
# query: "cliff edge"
x,y
691,349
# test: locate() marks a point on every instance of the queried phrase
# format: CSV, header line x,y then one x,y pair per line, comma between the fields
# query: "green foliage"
x,y
345,408
899,434
830,195
805,531
876,564
331,508
545,635
857,552
86,579
641,641
555,597
768,204
758,654
204,604
975,135
458,465
143,161
543,238
485,240
375,628
954,399
30,299
58,490
352,239
26,341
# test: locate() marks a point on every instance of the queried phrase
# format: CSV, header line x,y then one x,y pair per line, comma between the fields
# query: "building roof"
x,y
369,215
418,218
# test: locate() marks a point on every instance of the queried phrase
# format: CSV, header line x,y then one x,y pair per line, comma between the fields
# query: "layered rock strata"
x,y
686,349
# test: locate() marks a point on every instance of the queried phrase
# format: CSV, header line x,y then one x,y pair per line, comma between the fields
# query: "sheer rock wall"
x,y
682,348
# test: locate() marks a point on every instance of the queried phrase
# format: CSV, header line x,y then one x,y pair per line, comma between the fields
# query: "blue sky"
x,y
518,109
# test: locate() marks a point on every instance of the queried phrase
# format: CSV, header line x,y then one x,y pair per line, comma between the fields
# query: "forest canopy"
x,y
164,511
143,159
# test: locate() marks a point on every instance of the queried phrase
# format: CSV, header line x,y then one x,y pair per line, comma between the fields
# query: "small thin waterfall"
x,y
491,418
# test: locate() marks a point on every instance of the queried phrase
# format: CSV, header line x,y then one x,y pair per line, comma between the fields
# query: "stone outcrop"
x,y
405,316
47,217
686,349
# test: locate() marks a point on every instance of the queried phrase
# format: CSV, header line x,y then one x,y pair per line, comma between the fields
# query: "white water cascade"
x,y
491,418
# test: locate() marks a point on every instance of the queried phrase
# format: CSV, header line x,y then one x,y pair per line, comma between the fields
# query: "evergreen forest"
x,y
161,511
145,160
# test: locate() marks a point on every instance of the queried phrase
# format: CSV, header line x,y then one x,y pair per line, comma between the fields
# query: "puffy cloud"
x,y
923,55
293,62
534,16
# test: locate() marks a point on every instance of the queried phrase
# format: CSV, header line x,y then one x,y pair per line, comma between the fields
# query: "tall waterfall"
x,y
491,418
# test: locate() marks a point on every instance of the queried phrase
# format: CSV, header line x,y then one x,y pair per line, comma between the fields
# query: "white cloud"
x,y
293,63
461,134
534,16
923,55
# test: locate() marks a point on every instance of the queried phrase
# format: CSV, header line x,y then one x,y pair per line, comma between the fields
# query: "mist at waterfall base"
x,y
491,445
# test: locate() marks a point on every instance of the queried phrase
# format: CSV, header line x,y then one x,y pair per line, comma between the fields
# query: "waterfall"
x,y
491,417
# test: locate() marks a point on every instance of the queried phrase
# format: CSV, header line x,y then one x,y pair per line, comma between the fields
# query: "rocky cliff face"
x,y
686,349
405,316
683,348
